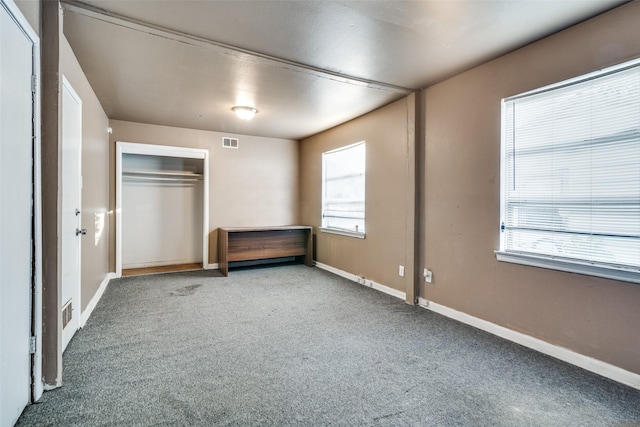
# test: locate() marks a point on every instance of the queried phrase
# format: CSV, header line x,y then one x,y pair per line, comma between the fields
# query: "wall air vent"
x,y
230,142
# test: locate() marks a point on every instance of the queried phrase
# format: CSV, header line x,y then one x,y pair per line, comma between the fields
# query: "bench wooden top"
x,y
274,228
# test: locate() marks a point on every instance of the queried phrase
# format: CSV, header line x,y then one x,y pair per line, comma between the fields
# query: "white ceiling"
x,y
305,65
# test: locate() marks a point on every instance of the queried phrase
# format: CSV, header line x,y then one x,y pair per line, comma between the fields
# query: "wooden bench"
x,y
250,244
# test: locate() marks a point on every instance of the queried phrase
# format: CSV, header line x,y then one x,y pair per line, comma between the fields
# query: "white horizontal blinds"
x,y
344,188
572,171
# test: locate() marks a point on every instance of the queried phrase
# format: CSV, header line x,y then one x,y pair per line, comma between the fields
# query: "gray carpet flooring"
x,y
293,345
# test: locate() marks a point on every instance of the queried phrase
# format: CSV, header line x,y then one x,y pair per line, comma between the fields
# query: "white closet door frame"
x,y
167,151
38,385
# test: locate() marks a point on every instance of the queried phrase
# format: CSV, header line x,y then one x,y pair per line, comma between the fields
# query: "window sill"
x,y
571,266
343,232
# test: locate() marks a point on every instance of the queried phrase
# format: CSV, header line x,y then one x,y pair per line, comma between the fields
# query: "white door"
x,y
16,183
71,228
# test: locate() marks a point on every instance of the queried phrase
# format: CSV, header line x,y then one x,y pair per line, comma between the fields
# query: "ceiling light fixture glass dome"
x,y
245,113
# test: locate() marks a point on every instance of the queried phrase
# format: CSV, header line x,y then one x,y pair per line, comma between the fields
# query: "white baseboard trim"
x,y
365,282
212,266
96,297
590,364
49,387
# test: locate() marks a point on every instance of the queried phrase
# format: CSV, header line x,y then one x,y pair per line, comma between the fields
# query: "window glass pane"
x,y
571,178
343,204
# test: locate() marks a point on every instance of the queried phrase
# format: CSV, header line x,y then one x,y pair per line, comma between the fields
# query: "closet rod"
x,y
154,178
161,173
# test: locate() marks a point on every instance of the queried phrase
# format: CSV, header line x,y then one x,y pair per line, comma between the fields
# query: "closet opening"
x,y
162,204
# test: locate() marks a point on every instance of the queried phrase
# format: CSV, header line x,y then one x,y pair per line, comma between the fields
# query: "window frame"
x,y
616,272
336,230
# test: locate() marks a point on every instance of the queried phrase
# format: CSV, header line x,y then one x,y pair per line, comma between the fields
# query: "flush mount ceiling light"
x,y
245,113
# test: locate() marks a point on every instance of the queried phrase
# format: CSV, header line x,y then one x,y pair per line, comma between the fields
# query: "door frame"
x,y
37,385
167,151
66,85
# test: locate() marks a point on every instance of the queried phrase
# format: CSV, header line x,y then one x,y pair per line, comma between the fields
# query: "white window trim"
x,y
570,266
343,232
584,77
614,272
345,147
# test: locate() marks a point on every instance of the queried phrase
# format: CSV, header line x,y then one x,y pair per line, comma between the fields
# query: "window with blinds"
x,y
343,190
571,173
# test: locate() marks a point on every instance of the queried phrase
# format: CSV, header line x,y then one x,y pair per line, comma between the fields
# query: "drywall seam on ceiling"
x,y
190,39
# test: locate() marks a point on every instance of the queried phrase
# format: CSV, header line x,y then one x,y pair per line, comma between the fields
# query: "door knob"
x,y
77,212
82,231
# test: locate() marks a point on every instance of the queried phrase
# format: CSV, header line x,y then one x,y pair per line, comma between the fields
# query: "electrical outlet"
x,y
428,275
401,270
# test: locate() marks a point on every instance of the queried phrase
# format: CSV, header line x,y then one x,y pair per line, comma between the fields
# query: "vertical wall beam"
x,y
415,169
419,177
51,30
410,203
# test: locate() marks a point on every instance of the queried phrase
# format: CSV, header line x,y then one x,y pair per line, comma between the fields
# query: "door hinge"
x,y
32,345
34,83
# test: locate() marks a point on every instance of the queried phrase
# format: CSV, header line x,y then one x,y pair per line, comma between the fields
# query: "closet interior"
x,y
162,212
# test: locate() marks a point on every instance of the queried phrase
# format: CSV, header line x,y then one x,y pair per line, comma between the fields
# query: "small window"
x,y
570,196
343,195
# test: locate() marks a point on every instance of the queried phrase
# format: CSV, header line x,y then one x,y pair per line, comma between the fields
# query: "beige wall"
x,y
461,209
388,185
31,10
255,185
278,182
95,174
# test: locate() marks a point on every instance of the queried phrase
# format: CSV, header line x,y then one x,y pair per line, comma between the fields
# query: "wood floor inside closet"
x,y
160,269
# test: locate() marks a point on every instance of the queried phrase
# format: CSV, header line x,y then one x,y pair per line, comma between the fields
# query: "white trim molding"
x,y
585,362
570,266
213,266
361,280
343,232
84,317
